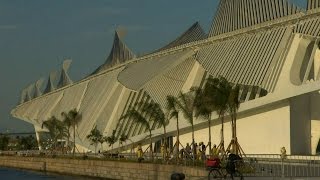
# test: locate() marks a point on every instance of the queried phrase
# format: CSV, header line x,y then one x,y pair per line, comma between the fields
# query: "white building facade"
x,y
270,47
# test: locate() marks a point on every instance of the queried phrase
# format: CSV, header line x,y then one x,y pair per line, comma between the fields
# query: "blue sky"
x,y
36,35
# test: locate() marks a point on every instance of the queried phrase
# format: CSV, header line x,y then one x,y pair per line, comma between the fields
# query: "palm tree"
x,y
172,112
123,138
233,106
186,103
56,128
94,137
204,108
67,122
155,112
141,118
111,139
218,89
75,118
101,141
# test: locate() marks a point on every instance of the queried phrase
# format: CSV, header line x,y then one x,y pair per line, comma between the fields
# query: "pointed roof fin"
x,y
37,87
23,96
194,33
29,91
50,87
119,54
64,77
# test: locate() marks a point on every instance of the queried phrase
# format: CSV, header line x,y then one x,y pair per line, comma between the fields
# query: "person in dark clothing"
x,y
231,163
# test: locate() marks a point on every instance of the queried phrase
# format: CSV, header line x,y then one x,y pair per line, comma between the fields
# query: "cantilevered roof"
x,y
194,33
252,59
309,26
232,15
313,4
138,74
119,54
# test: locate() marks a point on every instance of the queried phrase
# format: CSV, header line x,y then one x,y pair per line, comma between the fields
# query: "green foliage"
x,y
27,143
123,138
4,142
94,136
57,129
171,107
71,119
111,139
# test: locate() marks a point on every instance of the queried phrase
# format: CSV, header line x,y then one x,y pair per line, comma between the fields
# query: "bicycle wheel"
x,y
215,174
236,176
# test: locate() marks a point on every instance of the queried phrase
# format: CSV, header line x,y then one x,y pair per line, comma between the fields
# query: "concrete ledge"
x,y
100,168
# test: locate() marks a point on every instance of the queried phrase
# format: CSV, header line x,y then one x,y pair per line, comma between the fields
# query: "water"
x,y
18,174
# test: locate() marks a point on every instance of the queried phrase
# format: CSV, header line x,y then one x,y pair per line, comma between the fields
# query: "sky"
x,y
37,35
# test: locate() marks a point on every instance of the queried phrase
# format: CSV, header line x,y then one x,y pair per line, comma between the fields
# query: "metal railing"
x,y
289,166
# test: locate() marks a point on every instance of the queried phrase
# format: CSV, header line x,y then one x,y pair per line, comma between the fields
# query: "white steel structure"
x,y
270,47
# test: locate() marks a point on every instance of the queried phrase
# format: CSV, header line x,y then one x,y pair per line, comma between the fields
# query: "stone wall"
x,y
101,168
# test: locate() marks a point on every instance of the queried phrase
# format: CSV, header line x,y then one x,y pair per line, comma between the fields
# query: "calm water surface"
x,y
18,174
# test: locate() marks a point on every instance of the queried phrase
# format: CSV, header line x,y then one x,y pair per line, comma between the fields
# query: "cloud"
x,y
8,27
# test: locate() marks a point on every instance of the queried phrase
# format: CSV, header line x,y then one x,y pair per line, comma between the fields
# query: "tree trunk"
x,y
165,138
68,139
74,140
151,151
209,124
178,134
221,114
193,144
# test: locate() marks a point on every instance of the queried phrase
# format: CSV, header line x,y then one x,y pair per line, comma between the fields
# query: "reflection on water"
x,y
18,174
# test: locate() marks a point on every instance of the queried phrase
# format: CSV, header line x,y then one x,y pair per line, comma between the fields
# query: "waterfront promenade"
x,y
264,167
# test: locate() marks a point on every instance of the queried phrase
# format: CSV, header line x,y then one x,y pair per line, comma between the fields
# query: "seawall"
x,y
101,168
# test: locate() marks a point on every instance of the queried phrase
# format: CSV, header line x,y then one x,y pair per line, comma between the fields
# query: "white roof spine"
x,y
232,15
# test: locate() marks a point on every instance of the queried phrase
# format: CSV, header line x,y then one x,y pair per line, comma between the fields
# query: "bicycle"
x,y
230,171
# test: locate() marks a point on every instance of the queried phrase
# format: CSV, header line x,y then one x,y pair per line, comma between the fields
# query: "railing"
x,y
289,166
262,165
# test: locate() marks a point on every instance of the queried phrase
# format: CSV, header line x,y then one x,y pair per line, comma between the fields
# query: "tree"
x,y
67,121
94,137
218,89
56,128
225,96
186,103
233,107
154,111
204,108
111,139
27,143
172,112
4,142
140,118
72,119
123,138
101,141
